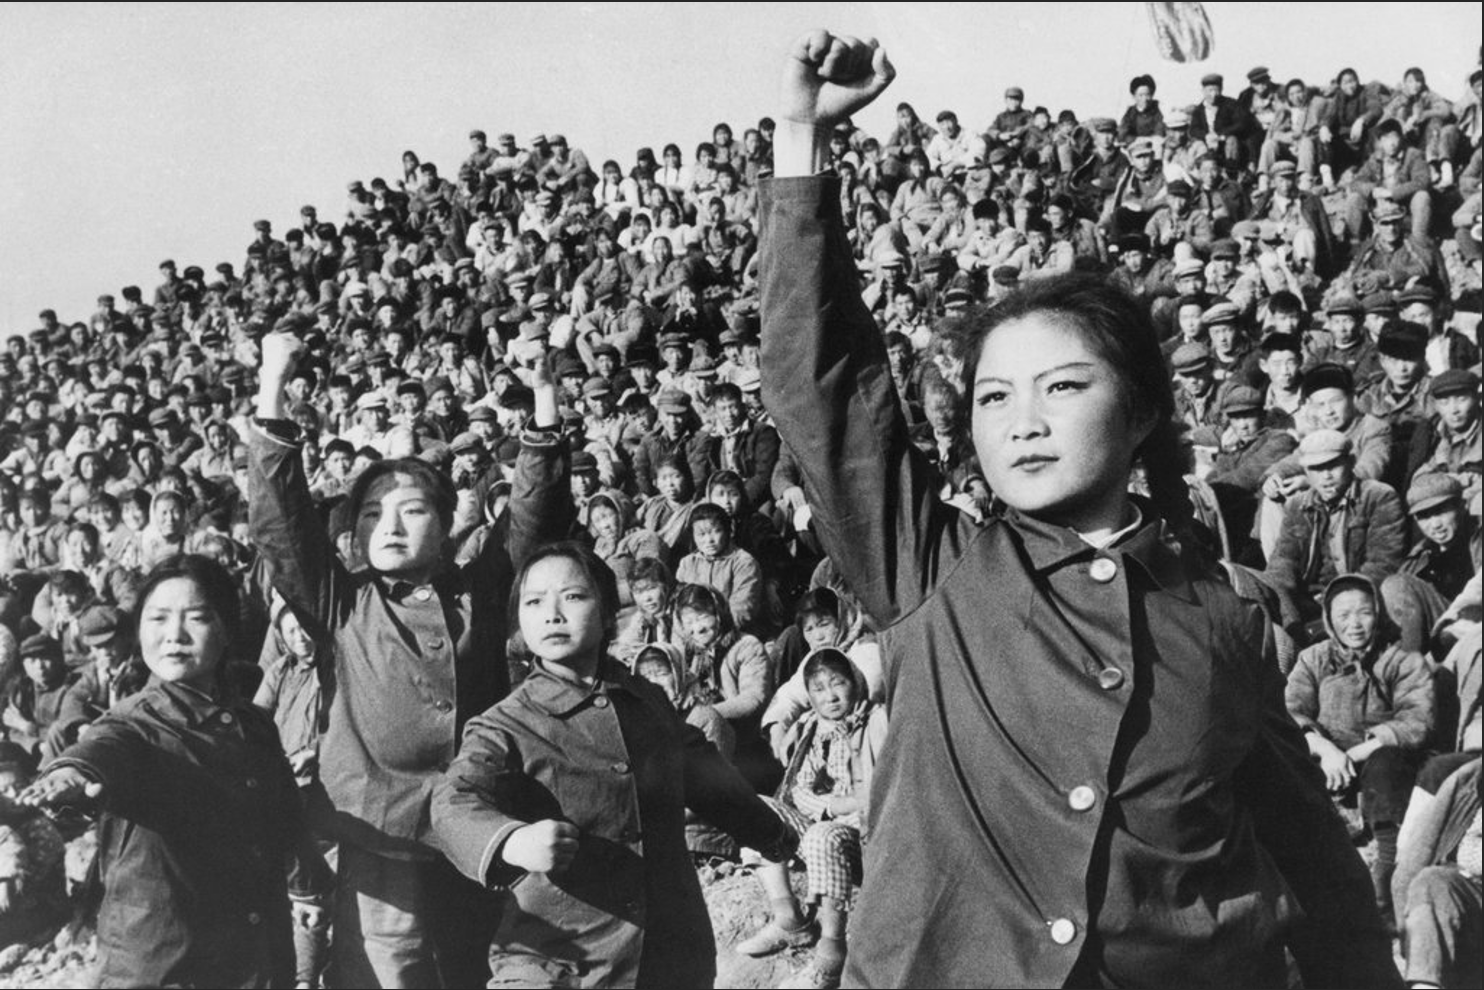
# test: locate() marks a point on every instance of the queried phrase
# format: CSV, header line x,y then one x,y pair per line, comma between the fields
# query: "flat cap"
x,y
1191,358
1431,490
1323,447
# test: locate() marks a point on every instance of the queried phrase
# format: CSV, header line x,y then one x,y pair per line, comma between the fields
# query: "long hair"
x,y
1118,329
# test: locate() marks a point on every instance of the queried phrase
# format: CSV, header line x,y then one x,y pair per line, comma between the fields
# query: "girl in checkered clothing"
x,y
832,751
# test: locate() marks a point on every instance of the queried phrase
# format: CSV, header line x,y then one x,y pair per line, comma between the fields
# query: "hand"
x,y
1273,488
546,847
1357,130
60,787
1325,134
309,917
1339,771
1381,193
827,78
303,761
281,352
777,742
7,894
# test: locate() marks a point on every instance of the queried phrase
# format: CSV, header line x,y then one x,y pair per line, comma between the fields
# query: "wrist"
x,y
800,147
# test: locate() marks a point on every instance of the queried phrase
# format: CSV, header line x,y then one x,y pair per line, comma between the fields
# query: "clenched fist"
x,y
543,847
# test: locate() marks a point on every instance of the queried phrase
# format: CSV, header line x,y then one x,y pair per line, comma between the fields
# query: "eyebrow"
x,y
982,379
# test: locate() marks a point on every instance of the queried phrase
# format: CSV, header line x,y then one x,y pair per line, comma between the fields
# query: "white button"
x,y
1082,798
600,701
1102,570
227,718
1110,678
423,594
254,918
1063,930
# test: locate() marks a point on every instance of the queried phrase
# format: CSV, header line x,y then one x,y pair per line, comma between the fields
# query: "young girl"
x,y
1082,721
199,809
1368,709
618,541
718,563
667,513
729,669
650,620
570,794
832,752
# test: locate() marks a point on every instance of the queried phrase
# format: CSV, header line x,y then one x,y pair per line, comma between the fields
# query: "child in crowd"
x,y
33,882
650,620
831,751
1367,708
718,563
35,700
823,618
552,786
667,513
620,544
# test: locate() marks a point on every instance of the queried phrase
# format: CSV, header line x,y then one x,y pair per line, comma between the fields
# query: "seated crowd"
x,y
581,345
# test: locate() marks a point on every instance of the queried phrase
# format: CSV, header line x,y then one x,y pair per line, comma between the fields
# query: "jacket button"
x,y
1063,930
1110,678
253,918
1082,798
444,706
601,701
423,594
227,718
1102,570
436,643
251,783
620,767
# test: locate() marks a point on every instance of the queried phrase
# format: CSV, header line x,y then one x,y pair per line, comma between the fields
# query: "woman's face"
x,y
398,527
561,616
1352,615
832,694
294,637
603,522
819,631
1051,423
181,637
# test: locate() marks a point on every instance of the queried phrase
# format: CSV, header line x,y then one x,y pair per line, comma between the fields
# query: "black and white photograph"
x,y
798,495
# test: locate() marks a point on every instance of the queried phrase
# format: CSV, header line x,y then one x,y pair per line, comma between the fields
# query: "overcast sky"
x,y
134,132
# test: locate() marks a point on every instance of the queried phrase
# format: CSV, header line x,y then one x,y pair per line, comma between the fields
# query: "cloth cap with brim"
x,y
162,417
540,300
1177,118
1244,399
1379,302
1455,381
482,414
1402,340
583,462
1222,312
41,645
670,340
1014,93
1323,447
1344,305
1387,212
411,387
1417,294
1189,267
999,156
596,386
601,348
1327,376
1212,79
1191,358
1178,187
1259,73
641,354
1429,491
958,296
1103,125
1246,230
1225,248
466,443
703,368
100,626
371,400
1283,168
672,401
748,380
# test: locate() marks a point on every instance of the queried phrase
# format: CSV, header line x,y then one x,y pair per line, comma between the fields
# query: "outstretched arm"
x,y
825,376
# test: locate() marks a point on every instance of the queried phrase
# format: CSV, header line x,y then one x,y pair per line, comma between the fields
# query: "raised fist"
x,y
826,78
281,352
543,847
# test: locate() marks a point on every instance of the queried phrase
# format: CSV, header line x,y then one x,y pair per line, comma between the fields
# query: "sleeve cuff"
x,y
493,870
281,431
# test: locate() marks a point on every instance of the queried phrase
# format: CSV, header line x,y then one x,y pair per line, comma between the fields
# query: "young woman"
x,y
199,807
1090,777
570,795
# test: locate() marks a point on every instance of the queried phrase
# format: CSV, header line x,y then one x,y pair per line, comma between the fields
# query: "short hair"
x,y
598,574
726,390
1275,342
705,148
1285,302
217,586
651,570
829,660
1415,73
986,209
70,583
424,476
712,513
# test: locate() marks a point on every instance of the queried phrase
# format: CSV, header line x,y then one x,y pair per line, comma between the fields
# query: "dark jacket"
x,y
410,665
1375,539
756,454
1231,120
1008,676
619,762
689,447
201,833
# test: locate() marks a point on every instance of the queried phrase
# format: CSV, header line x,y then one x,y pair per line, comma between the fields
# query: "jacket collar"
x,y
1151,545
193,707
560,695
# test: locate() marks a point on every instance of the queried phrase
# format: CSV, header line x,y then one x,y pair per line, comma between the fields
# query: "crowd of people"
x,y
469,487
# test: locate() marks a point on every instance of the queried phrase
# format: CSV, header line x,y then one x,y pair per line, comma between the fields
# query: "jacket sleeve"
x,y
826,380
716,791
1373,451
1340,942
1413,702
765,457
746,600
471,804
748,668
1413,177
1286,565
288,532
541,507
116,755
1386,537
1301,693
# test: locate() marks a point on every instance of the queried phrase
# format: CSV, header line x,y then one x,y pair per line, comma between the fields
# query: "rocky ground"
x,y
737,906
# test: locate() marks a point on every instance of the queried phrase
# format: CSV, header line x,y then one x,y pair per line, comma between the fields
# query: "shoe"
x,y
773,937
814,976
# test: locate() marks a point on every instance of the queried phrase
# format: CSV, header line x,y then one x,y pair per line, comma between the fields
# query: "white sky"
x,y
134,132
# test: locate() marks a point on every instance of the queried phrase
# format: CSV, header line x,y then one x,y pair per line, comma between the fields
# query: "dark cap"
x,y
1191,358
1244,399
1212,79
1402,340
1431,490
41,645
1455,381
101,626
1327,376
